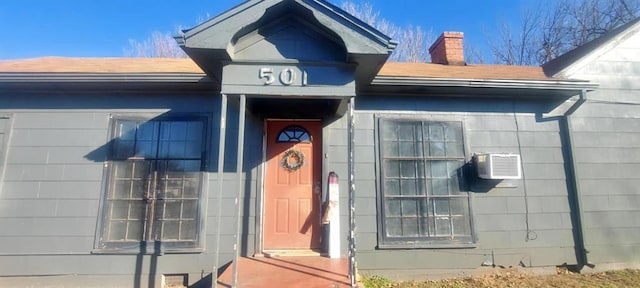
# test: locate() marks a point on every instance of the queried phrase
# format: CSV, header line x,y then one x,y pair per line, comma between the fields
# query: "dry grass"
x,y
614,279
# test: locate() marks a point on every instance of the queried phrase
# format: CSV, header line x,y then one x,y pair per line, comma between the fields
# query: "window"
x,y
154,184
294,134
423,194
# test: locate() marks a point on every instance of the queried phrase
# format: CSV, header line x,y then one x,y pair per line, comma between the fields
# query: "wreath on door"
x,y
292,160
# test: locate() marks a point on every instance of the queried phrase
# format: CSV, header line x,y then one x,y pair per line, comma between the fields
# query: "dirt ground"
x,y
622,278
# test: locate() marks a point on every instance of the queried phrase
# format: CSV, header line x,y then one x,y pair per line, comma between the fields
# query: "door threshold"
x,y
290,253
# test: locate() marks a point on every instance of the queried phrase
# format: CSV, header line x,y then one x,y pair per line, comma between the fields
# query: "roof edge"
x,y
73,77
560,65
576,85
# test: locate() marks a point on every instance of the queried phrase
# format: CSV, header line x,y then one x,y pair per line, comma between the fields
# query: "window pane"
x,y
393,207
406,131
408,149
172,210
409,208
122,189
170,230
147,131
178,130
425,209
410,227
438,169
427,226
294,134
461,226
117,230
392,168
441,207
393,227
392,187
124,142
453,132
120,209
437,149
191,188
194,131
439,187
389,129
408,187
454,149
188,230
436,132
443,227
135,230
391,149
408,169
141,169
460,206
123,169
189,209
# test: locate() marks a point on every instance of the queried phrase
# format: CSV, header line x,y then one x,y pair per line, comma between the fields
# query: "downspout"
x,y
582,252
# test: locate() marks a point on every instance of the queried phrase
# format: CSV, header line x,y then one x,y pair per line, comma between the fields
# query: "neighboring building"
x,y
122,171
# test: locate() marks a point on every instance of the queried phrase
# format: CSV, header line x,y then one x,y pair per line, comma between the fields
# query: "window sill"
x,y
138,252
414,246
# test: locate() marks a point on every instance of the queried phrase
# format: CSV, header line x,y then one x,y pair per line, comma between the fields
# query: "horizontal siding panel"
x,y
608,171
600,203
606,125
67,119
47,245
608,110
609,236
606,140
542,155
592,187
549,204
492,138
490,123
556,187
49,226
608,155
544,171
612,219
59,137
52,172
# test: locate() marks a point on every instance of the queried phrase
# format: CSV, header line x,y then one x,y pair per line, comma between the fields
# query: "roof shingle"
x,y
185,65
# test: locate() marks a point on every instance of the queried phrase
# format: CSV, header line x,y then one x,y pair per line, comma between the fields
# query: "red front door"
x,y
292,185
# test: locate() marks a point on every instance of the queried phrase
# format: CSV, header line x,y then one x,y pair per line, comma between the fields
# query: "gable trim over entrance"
x,y
211,44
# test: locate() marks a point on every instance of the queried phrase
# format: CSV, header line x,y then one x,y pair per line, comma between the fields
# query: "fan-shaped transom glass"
x,y
294,134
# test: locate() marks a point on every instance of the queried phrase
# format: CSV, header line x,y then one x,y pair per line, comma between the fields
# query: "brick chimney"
x,y
448,49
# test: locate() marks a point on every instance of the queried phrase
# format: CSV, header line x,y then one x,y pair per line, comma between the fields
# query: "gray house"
x,y
288,132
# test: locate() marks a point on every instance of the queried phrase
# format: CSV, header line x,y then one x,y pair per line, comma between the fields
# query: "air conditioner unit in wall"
x,y
498,166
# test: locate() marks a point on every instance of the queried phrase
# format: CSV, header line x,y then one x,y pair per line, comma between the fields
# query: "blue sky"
x,y
102,28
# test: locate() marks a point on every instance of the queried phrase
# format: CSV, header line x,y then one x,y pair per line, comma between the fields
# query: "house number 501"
x,y
287,76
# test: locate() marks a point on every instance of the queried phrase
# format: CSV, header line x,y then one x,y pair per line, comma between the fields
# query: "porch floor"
x,y
308,272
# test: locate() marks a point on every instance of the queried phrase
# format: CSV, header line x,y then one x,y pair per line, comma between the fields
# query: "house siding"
x,y
607,133
53,188
500,210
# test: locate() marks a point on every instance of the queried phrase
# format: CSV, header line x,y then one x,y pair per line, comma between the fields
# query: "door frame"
x,y
260,197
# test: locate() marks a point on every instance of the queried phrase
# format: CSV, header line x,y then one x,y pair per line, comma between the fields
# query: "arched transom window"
x,y
294,134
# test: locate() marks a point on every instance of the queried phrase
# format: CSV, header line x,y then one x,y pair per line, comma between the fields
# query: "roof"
x,y
429,70
558,66
183,73
100,65
186,65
